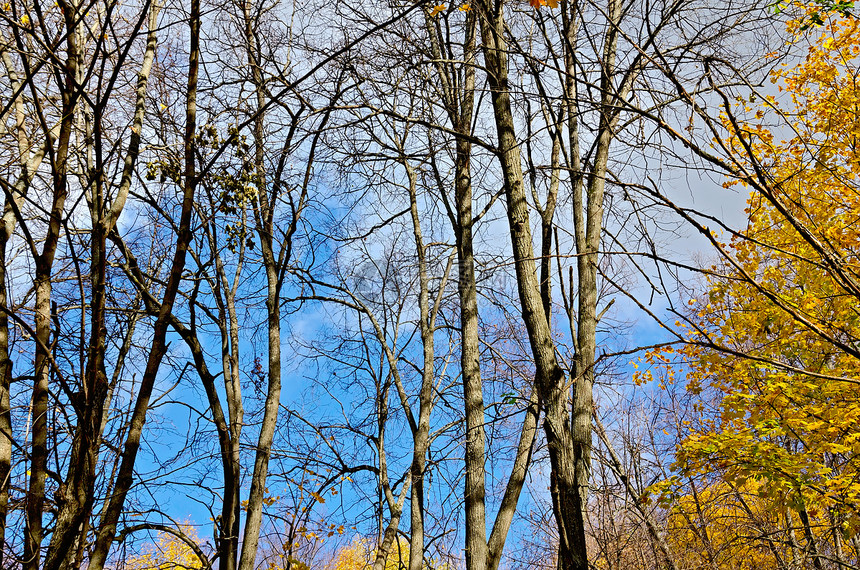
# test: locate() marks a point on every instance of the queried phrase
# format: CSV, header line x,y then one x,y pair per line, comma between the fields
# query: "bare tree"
x,y
71,81
600,54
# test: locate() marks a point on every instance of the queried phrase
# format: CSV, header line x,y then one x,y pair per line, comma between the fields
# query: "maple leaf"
x,y
437,9
788,416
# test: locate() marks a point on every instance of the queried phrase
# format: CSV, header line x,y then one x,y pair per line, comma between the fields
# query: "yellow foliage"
x,y
360,554
784,423
720,523
167,553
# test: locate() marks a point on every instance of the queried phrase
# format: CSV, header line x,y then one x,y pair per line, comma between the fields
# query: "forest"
x,y
407,285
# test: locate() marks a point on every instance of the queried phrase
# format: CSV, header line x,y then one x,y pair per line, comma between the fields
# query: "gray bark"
x,y
15,195
568,457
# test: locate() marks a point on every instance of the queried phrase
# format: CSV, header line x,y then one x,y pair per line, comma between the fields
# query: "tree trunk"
x,y
470,350
158,347
76,496
421,435
35,502
390,536
460,107
30,162
231,462
272,263
517,478
568,458
254,517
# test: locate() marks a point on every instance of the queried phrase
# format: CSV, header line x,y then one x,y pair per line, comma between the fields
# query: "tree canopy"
x,y
350,285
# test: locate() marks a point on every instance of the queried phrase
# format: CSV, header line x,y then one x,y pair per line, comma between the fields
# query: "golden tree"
x,y
775,340
168,552
360,554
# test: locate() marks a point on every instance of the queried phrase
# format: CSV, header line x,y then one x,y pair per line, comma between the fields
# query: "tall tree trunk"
x,y
5,383
567,457
254,517
460,105
421,435
75,497
231,456
14,198
158,347
470,351
44,262
273,262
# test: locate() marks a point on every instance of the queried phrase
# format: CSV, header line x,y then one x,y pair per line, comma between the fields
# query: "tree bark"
x,y
508,506
14,198
75,497
569,457
35,502
158,347
421,434
460,106
225,294
273,263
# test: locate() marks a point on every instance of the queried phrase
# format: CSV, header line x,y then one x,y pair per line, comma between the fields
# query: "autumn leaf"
x,y
361,553
784,417
437,9
167,553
